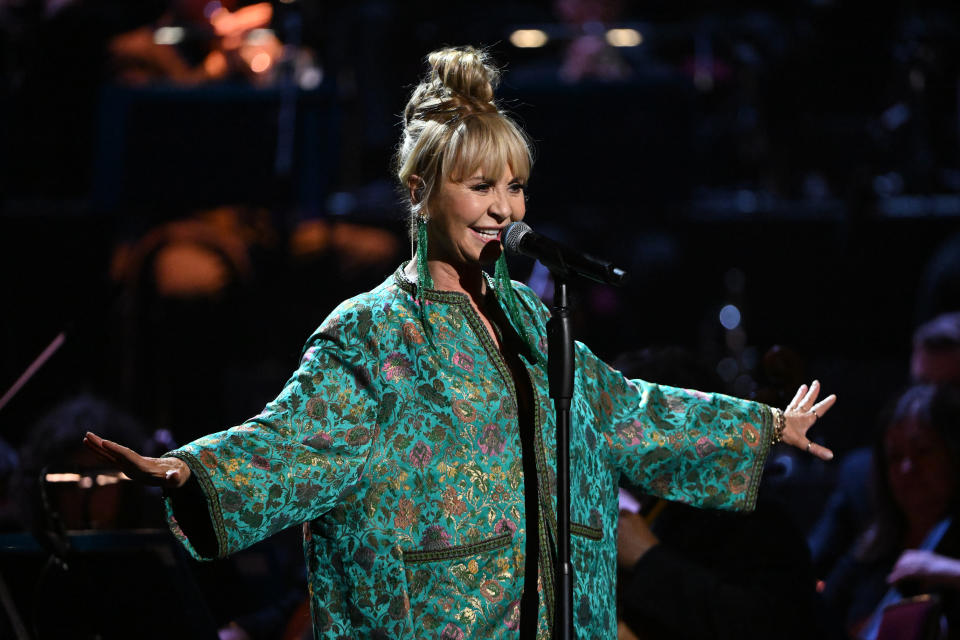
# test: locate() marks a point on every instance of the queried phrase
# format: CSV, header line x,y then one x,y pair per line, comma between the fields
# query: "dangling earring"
x,y
509,296
424,281
423,273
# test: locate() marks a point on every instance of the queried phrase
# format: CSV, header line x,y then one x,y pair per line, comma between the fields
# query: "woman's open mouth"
x,y
486,235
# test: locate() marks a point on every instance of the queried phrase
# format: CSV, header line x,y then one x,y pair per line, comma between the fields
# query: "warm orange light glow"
x,y
215,64
252,17
86,482
261,62
528,38
624,37
63,477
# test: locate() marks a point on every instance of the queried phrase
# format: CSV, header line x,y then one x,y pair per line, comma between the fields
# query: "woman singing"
x,y
415,443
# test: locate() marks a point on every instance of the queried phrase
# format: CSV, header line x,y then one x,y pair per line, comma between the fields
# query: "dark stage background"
x,y
188,188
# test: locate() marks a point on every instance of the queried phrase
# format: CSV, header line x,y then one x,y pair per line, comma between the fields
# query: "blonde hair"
x,y
452,128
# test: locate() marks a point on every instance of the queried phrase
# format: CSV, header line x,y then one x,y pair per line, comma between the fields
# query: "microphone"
x,y
562,261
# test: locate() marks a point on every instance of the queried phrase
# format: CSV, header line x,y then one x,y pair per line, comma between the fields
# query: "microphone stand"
x,y
563,263
560,368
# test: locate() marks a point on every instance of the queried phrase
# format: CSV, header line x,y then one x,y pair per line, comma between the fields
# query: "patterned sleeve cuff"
x,y
193,512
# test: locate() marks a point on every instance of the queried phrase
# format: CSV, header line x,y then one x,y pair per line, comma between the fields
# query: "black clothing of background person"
x,y
721,575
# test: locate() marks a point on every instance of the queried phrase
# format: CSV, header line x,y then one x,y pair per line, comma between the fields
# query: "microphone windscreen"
x,y
512,236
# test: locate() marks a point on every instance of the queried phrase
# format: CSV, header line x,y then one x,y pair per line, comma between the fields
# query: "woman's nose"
x,y
500,208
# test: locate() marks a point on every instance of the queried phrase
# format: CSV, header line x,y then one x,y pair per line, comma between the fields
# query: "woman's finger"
x,y
94,443
796,398
153,471
137,466
125,453
103,455
824,405
812,394
819,450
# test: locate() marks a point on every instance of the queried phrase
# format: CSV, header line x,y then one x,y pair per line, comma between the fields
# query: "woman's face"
x,y
919,468
467,218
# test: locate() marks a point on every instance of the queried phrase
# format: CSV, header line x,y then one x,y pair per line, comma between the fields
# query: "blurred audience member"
x,y
936,351
911,543
850,509
938,291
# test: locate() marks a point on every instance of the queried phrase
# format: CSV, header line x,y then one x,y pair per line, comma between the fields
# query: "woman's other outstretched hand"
x,y
171,473
801,413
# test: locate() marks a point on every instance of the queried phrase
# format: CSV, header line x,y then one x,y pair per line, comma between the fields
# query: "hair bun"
x,y
465,71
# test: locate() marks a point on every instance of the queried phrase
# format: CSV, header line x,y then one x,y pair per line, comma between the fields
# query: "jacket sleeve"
x,y
298,457
704,449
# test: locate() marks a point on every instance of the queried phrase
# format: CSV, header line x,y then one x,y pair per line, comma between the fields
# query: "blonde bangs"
x,y
486,143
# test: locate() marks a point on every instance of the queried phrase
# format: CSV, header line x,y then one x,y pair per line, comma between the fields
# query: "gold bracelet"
x,y
779,424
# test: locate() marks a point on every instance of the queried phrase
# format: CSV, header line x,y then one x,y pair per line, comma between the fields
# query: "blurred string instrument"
x,y
916,618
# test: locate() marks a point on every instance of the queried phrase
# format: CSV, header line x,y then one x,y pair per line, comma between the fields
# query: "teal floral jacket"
x,y
400,456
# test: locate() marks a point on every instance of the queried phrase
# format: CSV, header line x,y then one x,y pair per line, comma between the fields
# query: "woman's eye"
x,y
517,188
482,186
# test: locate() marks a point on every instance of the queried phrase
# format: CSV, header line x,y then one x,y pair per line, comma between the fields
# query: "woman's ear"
x,y
415,186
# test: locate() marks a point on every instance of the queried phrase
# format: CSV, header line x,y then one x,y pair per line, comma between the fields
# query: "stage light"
x,y
103,480
730,317
215,64
311,78
624,37
63,477
168,35
259,36
260,62
86,482
528,38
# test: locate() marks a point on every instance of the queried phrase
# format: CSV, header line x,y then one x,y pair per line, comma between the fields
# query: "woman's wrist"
x,y
779,425
175,471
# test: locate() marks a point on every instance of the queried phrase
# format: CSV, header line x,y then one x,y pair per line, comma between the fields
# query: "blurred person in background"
x,y
936,351
935,359
912,546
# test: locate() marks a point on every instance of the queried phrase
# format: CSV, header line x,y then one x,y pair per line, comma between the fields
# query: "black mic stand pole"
x,y
560,367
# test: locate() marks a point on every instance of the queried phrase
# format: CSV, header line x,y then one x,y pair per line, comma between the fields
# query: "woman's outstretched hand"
x,y
160,472
801,413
